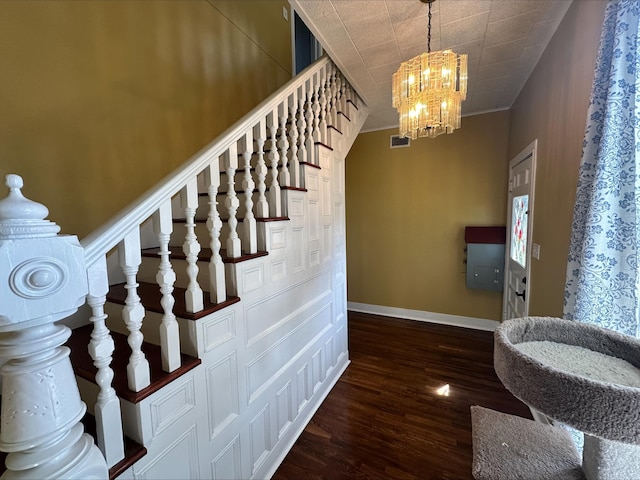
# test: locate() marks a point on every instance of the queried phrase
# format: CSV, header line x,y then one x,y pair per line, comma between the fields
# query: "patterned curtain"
x,y
603,277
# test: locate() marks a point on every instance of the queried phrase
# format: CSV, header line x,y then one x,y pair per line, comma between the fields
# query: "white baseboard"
x,y
422,316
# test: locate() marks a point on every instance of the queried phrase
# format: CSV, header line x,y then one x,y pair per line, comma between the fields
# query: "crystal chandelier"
x,y
428,91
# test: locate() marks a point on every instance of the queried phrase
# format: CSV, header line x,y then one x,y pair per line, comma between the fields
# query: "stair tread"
x,y
150,297
84,368
204,255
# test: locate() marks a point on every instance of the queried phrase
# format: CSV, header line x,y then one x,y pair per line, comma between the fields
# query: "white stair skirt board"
x,y
422,316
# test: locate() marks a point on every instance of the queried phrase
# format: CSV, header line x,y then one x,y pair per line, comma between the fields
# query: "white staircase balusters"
x,y
109,434
294,163
166,277
309,116
234,246
194,299
283,144
250,229
274,196
322,113
129,254
315,107
260,134
302,127
217,286
333,97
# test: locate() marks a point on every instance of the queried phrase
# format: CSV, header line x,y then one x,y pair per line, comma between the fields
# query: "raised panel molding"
x,y
282,306
284,409
302,387
172,406
298,249
222,393
296,207
278,237
327,243
218,331
252,278
259,430
330,354
314,220
278,269
228,464
266,368
317,370
326,196
312,181
165,466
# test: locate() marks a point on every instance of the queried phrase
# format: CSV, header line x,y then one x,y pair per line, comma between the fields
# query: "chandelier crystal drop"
x,y
428,91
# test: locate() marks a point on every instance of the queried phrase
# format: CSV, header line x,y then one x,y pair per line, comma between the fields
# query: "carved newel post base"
x,y
43,279
41,409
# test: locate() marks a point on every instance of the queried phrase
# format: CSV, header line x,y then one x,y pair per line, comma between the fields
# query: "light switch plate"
x,y
535,251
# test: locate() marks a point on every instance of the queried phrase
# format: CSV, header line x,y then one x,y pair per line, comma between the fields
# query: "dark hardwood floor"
x,y
384,419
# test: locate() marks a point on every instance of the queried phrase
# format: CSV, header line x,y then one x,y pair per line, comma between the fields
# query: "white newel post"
x,y
44,280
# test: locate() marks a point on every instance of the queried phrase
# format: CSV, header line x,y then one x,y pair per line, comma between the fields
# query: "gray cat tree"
x,y
577,374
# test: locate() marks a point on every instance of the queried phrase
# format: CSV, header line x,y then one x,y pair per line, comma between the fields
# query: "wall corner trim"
x,y
422,316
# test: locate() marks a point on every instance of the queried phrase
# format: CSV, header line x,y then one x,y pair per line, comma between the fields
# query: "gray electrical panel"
x,y
485,257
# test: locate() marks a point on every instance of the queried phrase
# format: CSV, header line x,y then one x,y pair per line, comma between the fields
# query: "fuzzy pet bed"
x,y
506,447
581,375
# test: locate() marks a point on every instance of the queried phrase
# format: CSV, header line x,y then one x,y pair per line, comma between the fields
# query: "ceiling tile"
x,y
384,54
318,8
504,9
502,31
465,30
412,32
383,73
453,10
372,30
503,52
357,11
402,10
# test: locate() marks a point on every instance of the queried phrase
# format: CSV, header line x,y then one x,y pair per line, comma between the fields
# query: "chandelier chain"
x,y
429,31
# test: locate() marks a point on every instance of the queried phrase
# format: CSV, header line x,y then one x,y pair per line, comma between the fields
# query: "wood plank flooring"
x,y
384,419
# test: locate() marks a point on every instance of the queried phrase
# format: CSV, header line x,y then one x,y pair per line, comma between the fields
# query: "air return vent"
x,y
397,141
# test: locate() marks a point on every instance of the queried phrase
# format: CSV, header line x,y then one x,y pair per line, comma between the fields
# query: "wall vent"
x,y
398,142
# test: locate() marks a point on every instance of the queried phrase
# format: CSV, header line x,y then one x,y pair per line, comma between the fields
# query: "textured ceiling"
x,y
368,39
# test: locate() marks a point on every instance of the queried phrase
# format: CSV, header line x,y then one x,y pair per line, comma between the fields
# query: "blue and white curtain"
x,y
603,276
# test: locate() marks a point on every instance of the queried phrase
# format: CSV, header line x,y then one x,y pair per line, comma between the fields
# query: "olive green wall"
x,y
552,107
406,213
101,99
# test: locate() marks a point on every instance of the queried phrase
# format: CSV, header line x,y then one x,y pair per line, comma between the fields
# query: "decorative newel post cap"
x,y
21,217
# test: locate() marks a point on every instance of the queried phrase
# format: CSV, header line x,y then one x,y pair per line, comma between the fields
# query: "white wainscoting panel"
x,y
164,465
222,393
217,331
172,406
260,431
227,465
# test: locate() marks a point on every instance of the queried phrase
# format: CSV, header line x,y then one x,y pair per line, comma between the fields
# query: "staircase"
x,y
215,315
